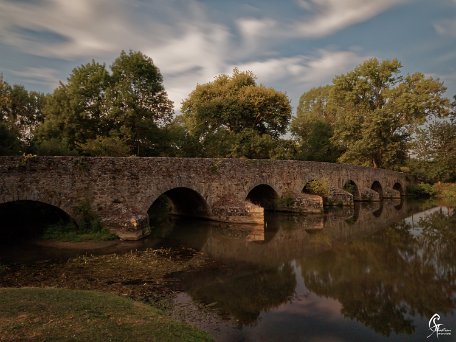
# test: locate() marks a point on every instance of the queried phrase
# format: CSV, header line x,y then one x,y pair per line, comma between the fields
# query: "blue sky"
x,y
290,45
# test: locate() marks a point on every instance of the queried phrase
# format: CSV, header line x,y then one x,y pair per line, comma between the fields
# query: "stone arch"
x,y
377,187
44,198
183,201
398,187
24,218
351,187
263,195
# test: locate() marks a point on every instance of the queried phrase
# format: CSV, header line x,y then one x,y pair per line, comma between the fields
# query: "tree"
x,y
232,116
98,113
435,150
377,110
75,112
27,111
317,102
313,126
20,114
138,103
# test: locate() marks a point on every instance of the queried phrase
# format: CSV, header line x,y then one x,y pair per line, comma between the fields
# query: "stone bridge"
x,y
122,190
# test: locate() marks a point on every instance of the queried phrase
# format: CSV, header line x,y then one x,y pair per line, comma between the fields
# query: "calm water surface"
x,y
373,273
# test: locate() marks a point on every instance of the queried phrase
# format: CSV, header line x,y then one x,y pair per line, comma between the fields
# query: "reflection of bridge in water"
x,y
286,237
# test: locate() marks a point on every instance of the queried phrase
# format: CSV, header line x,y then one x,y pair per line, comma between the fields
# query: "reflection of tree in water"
x,y
242,293
385,280
439,231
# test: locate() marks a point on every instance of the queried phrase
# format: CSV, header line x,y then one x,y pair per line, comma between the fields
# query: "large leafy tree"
x,y
313,126
27,111
20,114
435,151
138,103
75,112
9,138
100,113
377,110
233,116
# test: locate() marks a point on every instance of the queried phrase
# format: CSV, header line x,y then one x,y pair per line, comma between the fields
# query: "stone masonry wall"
x,y
121,190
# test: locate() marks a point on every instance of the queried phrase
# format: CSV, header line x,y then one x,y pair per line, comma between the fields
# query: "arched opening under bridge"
x,y
179,201
351,187
377,187
319,187
398,187
25,219
263,195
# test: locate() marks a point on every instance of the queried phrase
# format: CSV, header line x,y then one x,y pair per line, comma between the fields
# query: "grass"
x,y
89,227
70,232
141,275
42,314
445,190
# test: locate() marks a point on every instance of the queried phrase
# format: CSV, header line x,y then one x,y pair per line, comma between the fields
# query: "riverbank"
x,y
445,191
62,314
116,273
147,276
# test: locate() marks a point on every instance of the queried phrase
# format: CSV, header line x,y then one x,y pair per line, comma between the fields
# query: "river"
x,y
375,272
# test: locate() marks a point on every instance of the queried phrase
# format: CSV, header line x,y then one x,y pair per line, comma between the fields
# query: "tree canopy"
x,y
377,109
20,115
370,113
435,151
230,110
313,126
96,112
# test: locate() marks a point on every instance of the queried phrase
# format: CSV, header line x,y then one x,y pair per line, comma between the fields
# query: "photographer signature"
x,y
437,328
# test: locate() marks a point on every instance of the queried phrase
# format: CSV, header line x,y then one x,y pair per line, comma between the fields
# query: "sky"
x,y
290,45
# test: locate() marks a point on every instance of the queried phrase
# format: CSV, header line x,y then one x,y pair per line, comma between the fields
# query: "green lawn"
x,y
51,314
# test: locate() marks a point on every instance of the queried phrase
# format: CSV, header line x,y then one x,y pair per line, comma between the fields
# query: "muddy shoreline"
x,y
146,275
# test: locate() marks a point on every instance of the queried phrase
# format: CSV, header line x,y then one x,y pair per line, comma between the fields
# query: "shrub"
x,y
423,190
317,187
445,190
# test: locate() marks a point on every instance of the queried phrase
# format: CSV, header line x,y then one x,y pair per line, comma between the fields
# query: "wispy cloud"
x,y
329,16
185,42
318,18
179,36
43,76
446,27
298,74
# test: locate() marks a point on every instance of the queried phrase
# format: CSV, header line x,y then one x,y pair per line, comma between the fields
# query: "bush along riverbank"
x,y
445,192
89,228
71,232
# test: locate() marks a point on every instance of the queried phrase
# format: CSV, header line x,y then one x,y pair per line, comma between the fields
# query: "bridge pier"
x,y
391,193
339,197
368,195
237,212
299,203
126,224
